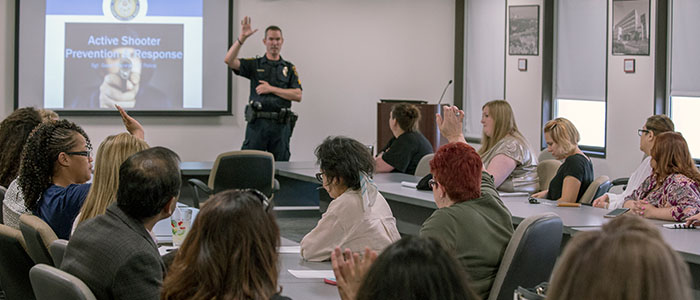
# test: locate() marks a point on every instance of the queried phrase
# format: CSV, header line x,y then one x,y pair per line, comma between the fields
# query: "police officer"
x,y
274,84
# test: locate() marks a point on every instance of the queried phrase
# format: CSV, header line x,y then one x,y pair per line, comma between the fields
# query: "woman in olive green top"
x,y
471,220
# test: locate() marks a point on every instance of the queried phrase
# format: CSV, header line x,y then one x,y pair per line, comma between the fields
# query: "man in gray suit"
x,y
115,254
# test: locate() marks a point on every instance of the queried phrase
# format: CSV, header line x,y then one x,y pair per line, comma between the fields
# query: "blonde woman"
x,y
113,151
504,151
576,173
626,259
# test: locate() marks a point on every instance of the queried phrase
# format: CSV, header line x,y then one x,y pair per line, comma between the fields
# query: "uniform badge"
x,y
125,10
284,71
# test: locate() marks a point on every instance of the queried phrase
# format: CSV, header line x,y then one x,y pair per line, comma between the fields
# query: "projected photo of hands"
x,y
131,65
145,55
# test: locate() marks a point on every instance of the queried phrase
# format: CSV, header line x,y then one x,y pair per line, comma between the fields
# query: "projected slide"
x,y
135,53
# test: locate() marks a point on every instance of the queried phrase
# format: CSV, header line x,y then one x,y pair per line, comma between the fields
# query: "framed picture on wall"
x,y
630,30
524,30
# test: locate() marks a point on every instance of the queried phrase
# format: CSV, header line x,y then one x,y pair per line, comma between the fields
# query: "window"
x,y
684,100
579,72
484,60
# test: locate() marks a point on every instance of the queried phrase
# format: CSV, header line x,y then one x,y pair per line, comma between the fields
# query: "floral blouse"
x,y
677,192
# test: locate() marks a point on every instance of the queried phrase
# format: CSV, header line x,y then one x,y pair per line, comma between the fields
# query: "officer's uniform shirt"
x,y
278,73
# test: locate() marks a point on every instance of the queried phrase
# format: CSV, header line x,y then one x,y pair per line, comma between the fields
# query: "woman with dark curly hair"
x,y
359,216
239,261
14,131
56,163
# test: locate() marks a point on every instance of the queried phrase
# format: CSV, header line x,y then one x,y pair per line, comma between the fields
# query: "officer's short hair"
x,y
274,28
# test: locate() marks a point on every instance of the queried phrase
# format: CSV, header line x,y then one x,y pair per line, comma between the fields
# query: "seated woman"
x,y
358,216
671,191
14,132
655,125
576,173
113,151
56,163
626,260
238,262
504,151
411,269
407,146
471,220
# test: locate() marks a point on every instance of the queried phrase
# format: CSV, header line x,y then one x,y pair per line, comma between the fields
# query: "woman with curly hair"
x,y
56,164
113,151
358,216
14,131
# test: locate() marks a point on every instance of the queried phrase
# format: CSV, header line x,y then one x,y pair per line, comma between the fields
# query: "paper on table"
x,y
409,184
312,273
163,250
513,194
290,249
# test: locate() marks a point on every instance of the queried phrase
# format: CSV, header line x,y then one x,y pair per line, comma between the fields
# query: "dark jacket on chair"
x,y
116,257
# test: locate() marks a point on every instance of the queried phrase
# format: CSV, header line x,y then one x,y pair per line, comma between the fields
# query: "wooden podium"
x,y
426,125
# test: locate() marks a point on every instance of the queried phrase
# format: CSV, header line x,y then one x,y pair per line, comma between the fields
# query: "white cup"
x,y
180,222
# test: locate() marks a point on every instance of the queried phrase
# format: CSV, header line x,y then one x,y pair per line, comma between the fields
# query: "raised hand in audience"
x,y
450,123
350,270
602,201
132,126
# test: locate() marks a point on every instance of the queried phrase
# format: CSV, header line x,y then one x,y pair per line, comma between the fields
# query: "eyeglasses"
x,y
319,177
640,132
81,153
432,183
263,199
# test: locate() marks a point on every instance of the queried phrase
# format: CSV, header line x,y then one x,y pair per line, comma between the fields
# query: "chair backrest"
x,y
546,170
57,249
423,167
14,264
53,284
598,187
243,169
38,235
2,197
545,155
530,255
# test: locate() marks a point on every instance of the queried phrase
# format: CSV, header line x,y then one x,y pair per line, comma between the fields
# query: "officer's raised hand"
x,y
263,88
246,31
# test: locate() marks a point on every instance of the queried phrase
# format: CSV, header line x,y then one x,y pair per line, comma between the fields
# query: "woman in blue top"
x,y
56,164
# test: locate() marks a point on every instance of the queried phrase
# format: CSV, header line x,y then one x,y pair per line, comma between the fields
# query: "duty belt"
x,y
267,115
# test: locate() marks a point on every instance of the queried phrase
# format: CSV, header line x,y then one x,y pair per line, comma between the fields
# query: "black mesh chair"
x,y
530,255
239,170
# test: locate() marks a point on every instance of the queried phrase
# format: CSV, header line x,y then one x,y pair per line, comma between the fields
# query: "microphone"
x,y
443,91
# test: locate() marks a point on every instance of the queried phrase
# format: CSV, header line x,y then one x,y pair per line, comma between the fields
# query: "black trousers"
x,y
268,135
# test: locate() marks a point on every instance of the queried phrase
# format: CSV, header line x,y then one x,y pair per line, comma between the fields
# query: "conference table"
x,y
411,207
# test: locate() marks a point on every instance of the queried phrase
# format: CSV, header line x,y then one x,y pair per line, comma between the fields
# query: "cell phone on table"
x,y
330,280
616,212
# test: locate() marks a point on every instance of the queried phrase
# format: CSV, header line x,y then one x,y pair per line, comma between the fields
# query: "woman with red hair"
x,y
671,191
471,220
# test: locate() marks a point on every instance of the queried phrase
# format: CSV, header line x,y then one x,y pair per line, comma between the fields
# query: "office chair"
x,y
53,284
57,249
14,264
598,187
423,167
38,236
239,170
530,255
546,170
545,155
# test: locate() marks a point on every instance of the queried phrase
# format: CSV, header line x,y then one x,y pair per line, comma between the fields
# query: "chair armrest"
x,y
196,183
275,185
620,181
